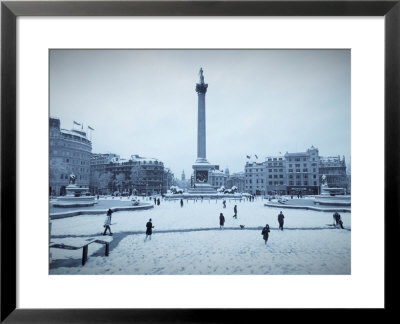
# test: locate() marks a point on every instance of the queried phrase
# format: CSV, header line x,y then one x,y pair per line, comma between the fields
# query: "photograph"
x,y
199,161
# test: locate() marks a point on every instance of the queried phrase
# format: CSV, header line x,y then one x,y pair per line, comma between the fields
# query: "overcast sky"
x,y
258,102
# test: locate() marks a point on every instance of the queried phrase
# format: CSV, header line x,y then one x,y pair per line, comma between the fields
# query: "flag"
x,y
248,156
256,156
75,123
90,128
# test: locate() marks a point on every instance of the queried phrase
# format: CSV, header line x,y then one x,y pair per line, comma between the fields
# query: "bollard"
x,y
107,249
84,254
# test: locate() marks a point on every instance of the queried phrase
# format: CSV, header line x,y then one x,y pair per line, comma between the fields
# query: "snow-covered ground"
x,y
188,240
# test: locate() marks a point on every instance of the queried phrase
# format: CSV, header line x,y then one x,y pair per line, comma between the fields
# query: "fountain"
x,y
75,197
332,196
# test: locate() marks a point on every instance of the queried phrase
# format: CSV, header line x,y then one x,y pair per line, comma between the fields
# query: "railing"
x,y
83,247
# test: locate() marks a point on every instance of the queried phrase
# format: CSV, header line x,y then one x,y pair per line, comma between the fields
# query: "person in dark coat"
x,y
224,203
149,231
107,223
155,201
338,220
181,202
265,233
235,212
221,220
158,201
280,220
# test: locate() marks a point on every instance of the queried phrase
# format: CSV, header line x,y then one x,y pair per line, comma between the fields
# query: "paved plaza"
x,y
188,240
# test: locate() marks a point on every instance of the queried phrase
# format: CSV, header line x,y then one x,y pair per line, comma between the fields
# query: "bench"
x,y
84,248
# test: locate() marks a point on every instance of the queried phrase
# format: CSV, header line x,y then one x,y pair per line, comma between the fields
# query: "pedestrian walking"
x,y
107,223
280,220
235,212
149,229
337,219
221,221
155,201
265,233
181,202
158,201
224,203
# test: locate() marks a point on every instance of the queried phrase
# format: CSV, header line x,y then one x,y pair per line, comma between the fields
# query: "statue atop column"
x,y
201,76
201,87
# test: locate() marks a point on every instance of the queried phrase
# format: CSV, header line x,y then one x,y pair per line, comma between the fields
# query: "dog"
x,y
241,226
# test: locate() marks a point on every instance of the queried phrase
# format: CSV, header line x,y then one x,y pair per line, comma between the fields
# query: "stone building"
x,y
255,177
335,170
236,179
302,170
69,152
276,175
217,178
136,175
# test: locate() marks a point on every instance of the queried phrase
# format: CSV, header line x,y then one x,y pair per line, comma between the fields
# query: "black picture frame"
x,y
10,10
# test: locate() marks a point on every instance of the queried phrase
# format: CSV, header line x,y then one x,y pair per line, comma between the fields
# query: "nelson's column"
x,y
201,167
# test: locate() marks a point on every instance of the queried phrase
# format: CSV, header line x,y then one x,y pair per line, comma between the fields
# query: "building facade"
x,y
303,172
69,153
294,173
136,175
335,170
255,177
276,175
217,178
236,179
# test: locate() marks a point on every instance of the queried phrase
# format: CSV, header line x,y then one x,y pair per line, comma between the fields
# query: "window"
x,y
297,170
275,170
297,159
305,176
275,176
306,183
297,176
314,176
281,176
298,183
281,182
270,176
315,183
298,165
291,176
314,170
305,165
290,165
291,183
305,170
270,182
280,159
280,170
304,159
290,170
270,170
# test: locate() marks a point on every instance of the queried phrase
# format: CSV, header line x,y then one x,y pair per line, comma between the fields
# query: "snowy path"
x,y
183,242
